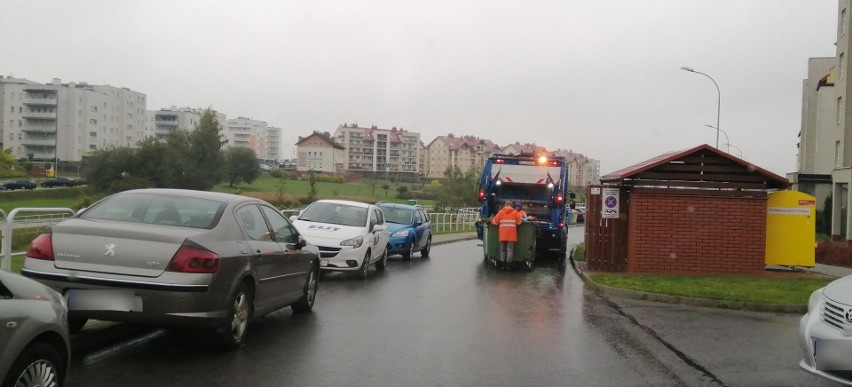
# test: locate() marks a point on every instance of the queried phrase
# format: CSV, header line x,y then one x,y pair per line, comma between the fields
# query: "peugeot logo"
x,y
110,250
849,315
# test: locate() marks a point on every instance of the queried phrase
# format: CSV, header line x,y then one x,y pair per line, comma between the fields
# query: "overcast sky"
x,y
600,78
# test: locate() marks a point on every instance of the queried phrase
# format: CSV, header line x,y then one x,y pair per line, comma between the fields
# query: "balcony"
x,y
38,129
39,142
168,123
36,101
39,115
41,155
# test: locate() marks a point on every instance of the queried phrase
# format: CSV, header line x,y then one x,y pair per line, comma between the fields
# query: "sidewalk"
x,y
440,239
834,271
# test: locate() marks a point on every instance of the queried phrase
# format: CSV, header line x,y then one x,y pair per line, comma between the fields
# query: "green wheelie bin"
x,y
524,248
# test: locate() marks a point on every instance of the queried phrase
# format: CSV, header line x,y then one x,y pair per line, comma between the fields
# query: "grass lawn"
x,y
360,190
774,290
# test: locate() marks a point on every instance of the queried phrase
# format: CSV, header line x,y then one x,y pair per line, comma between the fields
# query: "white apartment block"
x,y
825,140
379,150
160,123
319,152
66,121
582,170
464,152
273,146
248,133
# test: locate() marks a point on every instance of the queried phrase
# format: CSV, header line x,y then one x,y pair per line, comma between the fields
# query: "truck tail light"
x,y
194,260
559,199
481,194
41,247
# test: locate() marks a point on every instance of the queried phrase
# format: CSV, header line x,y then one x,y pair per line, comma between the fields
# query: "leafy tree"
x,y
459,189
109,165
386,187
402,190
312,182
372,182
241,165
205,159
161,163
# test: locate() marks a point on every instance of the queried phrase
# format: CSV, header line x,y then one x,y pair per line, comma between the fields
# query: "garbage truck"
x,y
540,184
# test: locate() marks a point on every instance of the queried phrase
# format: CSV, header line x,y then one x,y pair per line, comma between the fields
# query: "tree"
x,y
459,189
386,187
402,190
312,182
241,165
205,159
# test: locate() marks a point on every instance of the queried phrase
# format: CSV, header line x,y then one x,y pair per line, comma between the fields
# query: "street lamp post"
x,y
728,139
738,150
718,101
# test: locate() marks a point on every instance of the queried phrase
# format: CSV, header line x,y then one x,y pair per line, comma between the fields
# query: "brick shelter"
x,y
694,211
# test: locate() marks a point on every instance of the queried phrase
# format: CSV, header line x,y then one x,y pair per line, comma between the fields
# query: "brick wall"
x,y
669,233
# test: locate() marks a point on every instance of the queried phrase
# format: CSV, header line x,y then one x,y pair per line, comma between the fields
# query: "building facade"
x,y
273,146
65,121
319,152
463,152
248,133
379,150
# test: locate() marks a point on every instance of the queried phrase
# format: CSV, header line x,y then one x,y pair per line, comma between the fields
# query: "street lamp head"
x,y
710,126
687,69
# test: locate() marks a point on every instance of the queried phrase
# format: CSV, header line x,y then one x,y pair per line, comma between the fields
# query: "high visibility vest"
x,y
508,222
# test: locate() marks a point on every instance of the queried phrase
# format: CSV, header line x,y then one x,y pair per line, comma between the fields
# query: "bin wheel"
x,y
529,265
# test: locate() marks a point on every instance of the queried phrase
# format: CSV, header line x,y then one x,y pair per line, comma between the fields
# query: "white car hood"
x,y
326,234
840,290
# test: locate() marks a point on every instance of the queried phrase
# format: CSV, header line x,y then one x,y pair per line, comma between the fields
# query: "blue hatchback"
x,y
410,229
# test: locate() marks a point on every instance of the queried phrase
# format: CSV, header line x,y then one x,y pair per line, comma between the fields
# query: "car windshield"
x,y
398,215
157,209
335,213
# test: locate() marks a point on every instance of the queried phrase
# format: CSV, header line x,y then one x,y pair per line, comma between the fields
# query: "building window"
x,y
843,22
839,110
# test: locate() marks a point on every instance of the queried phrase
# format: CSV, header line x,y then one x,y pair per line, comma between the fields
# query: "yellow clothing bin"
x,y
790,229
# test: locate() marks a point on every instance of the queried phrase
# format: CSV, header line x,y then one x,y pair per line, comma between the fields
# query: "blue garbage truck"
x,y
540,183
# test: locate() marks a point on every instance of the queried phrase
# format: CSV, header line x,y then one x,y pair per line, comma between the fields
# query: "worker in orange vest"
x,y
521,213
508,220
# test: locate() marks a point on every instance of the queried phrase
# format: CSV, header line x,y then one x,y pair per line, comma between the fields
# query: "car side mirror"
x,y
417,222
301,242
293,218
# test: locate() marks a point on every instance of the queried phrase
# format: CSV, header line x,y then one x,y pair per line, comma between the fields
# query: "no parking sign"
x,y
611,202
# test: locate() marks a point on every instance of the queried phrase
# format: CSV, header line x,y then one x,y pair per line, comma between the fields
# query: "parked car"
x,y
824,332
60,182
409,228
34,339
350,235
18,184
177,257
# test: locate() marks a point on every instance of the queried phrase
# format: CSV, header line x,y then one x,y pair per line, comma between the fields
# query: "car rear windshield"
x,y
398,215
171,210
335,213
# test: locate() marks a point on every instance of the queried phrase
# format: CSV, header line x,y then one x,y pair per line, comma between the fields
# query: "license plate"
x,y
323,262
833,354
111,300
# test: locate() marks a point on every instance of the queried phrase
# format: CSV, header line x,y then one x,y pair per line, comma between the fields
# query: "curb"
x,y
692,301
469,238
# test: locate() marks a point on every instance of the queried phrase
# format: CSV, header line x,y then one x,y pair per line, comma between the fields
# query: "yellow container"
x,y
790,229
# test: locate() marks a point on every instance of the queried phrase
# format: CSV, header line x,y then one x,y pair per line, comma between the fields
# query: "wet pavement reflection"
x,y
447,320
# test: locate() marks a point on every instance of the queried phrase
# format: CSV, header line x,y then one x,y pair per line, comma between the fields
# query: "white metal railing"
x,y
41,218
462,220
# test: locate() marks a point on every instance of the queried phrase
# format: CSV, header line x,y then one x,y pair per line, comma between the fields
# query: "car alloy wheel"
x,y
362,272
306,303
38,365
425,252
233,333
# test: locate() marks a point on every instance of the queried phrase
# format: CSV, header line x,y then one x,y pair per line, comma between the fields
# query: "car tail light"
x,y
482,194
41,248
194,260
561,225
559,199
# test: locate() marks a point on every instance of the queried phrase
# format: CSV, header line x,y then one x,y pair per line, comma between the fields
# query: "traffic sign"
x,y
609,210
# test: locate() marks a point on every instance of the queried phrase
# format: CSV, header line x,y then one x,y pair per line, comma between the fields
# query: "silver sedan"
x,y
825,332
177,257
34,346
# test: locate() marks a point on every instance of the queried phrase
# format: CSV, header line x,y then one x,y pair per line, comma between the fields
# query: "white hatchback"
x,y
350,235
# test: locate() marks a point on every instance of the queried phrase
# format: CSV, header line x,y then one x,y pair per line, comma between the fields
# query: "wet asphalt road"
x,y
445,321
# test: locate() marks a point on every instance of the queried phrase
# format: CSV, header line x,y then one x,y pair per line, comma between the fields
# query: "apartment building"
x,y
273,146
319,152
518,148
451,151
372,149
65,121
248,133
825,139
582,170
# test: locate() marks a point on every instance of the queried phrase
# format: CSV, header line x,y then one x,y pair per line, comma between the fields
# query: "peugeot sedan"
x,y
350,236
410,229
177,257
34,345
825,332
